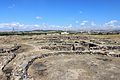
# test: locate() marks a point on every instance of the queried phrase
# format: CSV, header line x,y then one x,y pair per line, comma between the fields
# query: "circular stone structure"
x,y
75,67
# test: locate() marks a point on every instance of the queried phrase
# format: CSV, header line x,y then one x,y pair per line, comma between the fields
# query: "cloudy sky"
x,y
59,14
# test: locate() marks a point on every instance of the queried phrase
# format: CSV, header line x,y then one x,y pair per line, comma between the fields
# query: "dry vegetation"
x,y
60,57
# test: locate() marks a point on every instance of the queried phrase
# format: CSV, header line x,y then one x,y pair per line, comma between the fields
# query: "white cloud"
x,y
9,24
80,12
36,25
88,25
93,23
38,17
11,6
83,23
76,22
113,24
19,26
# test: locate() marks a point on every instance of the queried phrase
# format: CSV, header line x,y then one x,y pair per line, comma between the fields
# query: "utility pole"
x,y
13,30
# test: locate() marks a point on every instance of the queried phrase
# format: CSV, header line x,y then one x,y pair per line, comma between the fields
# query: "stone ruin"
x,y
16,66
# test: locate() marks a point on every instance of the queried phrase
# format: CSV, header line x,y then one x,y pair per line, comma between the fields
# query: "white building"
x,y
64,33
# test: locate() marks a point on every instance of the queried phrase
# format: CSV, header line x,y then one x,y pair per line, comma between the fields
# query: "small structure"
x,y
64,33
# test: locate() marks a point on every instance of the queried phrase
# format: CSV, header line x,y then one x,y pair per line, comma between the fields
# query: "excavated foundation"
x,y
61,57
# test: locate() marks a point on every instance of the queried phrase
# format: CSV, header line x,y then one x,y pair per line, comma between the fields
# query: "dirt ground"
x,y
60,57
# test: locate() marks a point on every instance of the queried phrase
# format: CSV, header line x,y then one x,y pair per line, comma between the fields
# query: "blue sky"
x,y
60,14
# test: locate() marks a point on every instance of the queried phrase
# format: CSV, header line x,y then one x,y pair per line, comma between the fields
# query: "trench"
x,y
8,71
